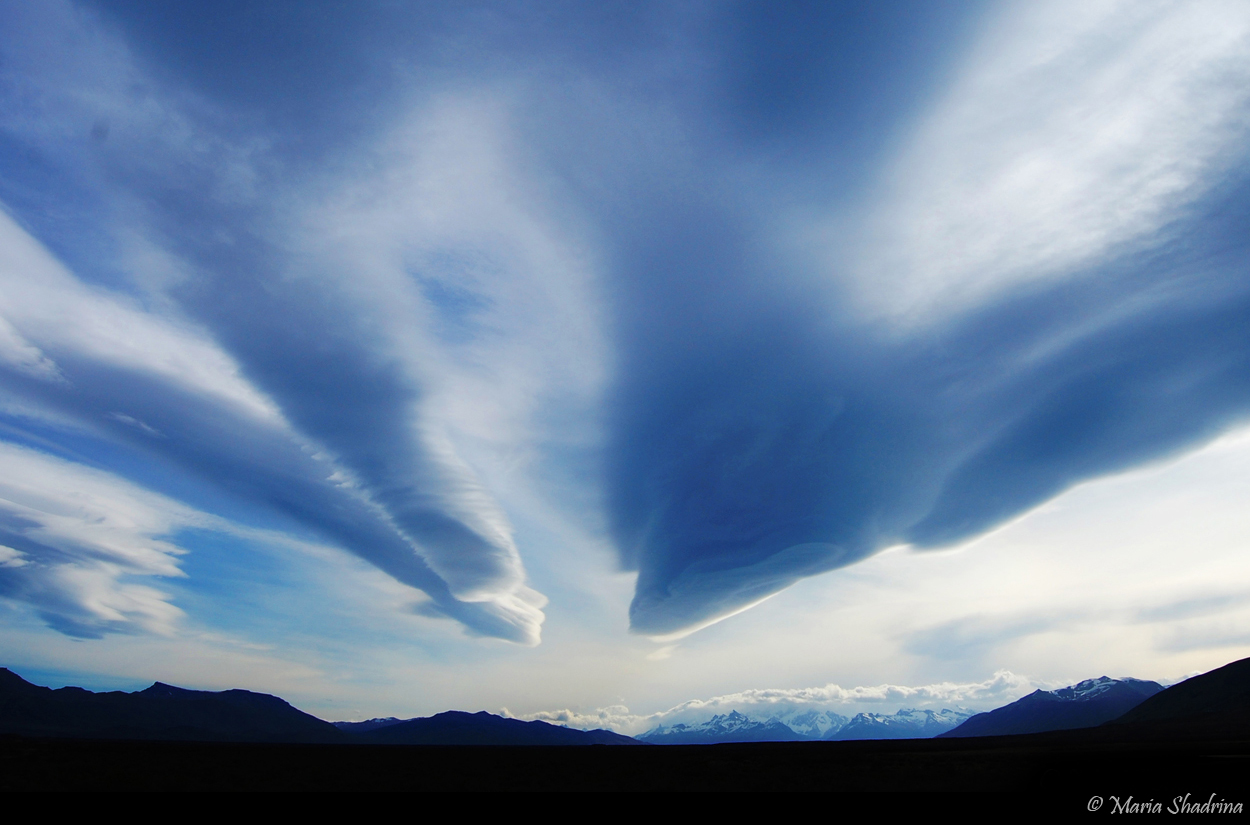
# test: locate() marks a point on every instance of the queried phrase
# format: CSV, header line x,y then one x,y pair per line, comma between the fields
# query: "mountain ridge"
x,y
157,712
725,727
1086,704
1215,704
167,712
457,727
908,723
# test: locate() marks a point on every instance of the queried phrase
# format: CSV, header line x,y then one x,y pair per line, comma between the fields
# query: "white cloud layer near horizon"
x,y
764,704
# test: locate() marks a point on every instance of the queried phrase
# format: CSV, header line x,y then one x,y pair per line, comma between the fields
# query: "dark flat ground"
x,y
1059,771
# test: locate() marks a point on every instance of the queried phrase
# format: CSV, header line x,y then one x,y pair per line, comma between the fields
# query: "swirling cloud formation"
x,y
796,283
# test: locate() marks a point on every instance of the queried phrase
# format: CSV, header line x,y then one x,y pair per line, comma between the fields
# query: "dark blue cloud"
x,y
759,438
763,431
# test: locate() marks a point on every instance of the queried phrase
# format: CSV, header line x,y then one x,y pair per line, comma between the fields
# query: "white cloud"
x,y
82,535
1002,688
449,245
164,379
1075,130
46,313
24,356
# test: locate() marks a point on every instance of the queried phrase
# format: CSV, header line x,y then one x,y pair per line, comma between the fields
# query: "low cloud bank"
x,y
783,704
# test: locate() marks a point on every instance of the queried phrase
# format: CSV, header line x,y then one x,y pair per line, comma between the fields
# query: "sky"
x,y
620,363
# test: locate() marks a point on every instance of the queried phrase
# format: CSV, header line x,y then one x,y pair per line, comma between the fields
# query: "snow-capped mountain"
x,y
808,724
1090,688
909,723
1083,705
813,724
368,724
725,727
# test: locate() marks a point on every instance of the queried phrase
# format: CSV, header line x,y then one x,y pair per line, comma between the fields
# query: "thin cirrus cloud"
x,y
493,243
1074,132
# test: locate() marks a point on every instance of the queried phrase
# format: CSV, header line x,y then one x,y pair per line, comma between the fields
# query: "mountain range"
x,y
164,712
906,724
734,726
459,728
724,727
1213,705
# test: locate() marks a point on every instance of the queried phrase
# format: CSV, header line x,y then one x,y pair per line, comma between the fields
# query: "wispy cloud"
x,y
78,543
1074,132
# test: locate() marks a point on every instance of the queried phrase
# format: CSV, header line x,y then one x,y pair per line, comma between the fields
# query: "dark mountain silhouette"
x,y
1197,738
482,728
1215,705
159,712
1084,705
164,712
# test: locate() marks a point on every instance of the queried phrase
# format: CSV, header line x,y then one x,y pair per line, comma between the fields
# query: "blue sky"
x,y
594,361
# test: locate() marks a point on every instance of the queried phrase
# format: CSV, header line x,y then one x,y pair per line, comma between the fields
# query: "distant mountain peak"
x,y
908,723
733,726
162,689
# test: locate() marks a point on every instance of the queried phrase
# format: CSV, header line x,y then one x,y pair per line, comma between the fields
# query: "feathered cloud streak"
x,y
307,383
113,372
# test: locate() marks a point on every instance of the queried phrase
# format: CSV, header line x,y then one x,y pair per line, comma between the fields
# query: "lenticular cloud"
x,y
1047,285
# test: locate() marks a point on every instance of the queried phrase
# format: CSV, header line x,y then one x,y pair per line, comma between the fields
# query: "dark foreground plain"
x,y
1058,770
